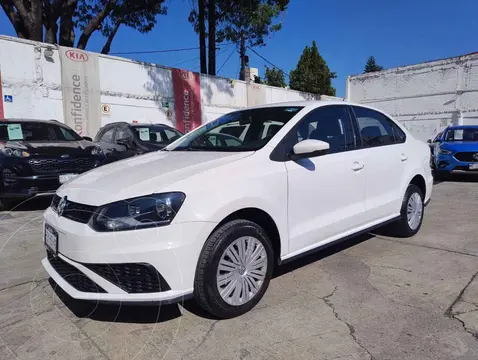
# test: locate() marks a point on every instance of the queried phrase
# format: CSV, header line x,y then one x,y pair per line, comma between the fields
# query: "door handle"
x,y
356,166
404,157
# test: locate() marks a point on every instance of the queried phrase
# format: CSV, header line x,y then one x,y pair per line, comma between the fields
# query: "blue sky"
x,y
347,33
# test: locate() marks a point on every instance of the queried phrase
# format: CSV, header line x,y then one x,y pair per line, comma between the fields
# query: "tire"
x,y
206,288
404,227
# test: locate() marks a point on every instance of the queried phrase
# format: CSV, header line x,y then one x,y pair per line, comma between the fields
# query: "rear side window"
x,y
376,129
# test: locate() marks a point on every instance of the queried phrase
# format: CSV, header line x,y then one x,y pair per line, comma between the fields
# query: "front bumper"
x,y
449,163
19,179
173,251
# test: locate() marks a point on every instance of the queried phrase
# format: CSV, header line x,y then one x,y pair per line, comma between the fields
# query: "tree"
x,y
26,17
372,66
274,77
248,23
108,15
312,73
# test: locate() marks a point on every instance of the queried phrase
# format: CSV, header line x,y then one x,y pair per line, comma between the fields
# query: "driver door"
x,y
326,197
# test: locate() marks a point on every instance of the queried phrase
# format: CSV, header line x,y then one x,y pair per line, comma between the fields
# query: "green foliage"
x,y
312,73
274,77
252,20
137,14
372,66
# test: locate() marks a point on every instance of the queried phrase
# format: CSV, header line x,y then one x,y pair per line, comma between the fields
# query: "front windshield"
x,y
36,132
157,135
462,134
244,130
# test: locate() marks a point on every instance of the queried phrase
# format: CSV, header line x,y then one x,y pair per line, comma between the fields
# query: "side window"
x,y
122,133
375,128
331,124
170,134
108,135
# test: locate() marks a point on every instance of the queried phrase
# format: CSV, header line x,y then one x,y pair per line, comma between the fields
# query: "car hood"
x,y
461,146
142,175
50,148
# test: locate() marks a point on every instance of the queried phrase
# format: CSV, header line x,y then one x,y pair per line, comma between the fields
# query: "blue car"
x,y
456,150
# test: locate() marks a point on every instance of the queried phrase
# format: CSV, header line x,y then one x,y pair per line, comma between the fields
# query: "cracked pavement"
x,y
373,297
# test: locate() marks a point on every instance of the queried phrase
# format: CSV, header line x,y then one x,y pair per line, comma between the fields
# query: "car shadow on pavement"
x,y
320,254
157,313
117,313
32,204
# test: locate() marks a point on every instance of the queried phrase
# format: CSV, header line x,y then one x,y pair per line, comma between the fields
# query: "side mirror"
x,y
87,138
429,141
309,148
126,142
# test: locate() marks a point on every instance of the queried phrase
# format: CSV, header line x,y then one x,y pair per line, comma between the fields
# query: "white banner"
x,y
80,84
256,95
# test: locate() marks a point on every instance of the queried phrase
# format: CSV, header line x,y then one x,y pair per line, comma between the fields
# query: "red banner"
x,y
2,115
187,100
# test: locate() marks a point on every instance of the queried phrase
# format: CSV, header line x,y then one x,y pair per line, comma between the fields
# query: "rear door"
x,y
386,161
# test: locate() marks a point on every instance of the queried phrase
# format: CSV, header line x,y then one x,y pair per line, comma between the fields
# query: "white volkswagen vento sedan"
x,y
213,213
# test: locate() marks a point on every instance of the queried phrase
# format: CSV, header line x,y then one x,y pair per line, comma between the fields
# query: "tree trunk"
x,y
50,32
242,54
36,20
93,26
212,36
15,19
67,32
107,47
202,37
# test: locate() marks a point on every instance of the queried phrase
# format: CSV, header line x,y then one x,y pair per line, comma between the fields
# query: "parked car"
x,y
37,156
456,150
121,140
211,222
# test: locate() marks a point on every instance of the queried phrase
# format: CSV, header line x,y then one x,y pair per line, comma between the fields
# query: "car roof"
x,y
52,121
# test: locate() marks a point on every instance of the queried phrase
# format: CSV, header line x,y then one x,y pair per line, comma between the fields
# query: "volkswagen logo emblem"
x,y
62,205
475,156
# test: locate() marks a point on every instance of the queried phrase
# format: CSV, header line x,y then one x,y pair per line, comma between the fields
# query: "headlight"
x,y
444,151
97,151
6,151
138,213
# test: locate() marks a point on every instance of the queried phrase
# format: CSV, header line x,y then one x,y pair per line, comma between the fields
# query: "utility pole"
x,y
202,37
212,36
242,54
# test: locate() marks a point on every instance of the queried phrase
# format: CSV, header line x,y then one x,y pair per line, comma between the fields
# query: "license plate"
x,y
65,177
51,239
473,167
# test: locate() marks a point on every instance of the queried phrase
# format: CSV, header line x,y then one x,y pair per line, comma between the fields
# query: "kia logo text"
x,y
76,55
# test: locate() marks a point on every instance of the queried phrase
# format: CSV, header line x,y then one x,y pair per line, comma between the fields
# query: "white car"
x,y
196,219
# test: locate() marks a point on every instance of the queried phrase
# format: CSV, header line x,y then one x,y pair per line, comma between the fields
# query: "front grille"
x,y
466,156
73,276
73,165
74,211
133,278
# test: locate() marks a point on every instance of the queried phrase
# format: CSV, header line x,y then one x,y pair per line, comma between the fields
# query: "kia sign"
x,y
77,55
80,85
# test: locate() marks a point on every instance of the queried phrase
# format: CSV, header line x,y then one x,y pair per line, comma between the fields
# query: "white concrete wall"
x,y
426,97
134,90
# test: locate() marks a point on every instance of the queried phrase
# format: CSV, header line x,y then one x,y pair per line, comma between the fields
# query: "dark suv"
x,y
121,140
37,156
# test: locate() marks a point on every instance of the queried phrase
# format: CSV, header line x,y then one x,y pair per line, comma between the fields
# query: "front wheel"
x,y
411,213
234,269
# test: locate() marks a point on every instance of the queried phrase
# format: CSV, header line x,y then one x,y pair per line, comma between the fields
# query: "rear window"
x,y
36,132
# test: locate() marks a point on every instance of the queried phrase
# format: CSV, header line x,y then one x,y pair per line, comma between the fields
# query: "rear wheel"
x,y
234,269
411,213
